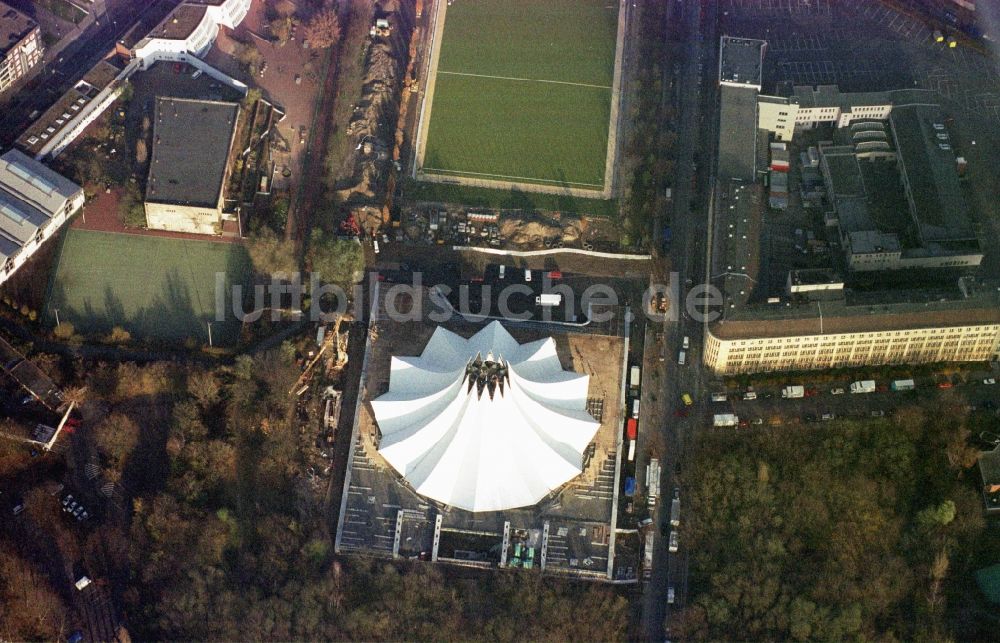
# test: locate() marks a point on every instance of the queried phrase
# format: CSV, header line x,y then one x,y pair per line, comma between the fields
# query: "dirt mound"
x,y
533,232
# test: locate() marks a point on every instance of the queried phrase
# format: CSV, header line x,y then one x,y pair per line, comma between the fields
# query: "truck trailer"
x,y
725,419
635,378
793,392
903,385
863,386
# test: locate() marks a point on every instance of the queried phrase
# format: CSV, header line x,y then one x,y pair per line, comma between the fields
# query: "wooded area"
x,y
225,541
852,529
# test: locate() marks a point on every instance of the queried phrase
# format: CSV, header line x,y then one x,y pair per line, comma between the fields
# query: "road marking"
x,y
459,173
524,80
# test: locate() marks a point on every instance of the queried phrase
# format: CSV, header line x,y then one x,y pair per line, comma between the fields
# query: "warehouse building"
x,y
20,45
895,193
740,72
189,164
34,202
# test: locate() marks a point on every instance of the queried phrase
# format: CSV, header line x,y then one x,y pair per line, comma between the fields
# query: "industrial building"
x,y
884,276
34,201
20,46
189,164
740,75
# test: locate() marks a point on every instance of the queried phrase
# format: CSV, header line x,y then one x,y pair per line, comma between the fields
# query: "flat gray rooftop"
x,y
939,207
740,60
737,133
191,143
14,26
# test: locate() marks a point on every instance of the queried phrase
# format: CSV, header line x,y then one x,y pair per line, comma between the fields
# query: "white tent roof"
x,y
484,447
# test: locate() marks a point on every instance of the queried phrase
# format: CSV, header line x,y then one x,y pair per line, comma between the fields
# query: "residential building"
x,y
189,31
34,202
189,164
20,46
80,106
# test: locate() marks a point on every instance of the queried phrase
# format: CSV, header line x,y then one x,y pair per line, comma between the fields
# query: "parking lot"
x,y
794,7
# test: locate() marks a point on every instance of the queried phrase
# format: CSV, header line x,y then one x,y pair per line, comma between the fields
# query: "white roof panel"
x,y
485,423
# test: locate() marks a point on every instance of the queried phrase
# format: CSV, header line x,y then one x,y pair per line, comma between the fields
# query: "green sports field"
x,y
154,287
523,91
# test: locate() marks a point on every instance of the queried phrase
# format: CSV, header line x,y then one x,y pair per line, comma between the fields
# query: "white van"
x,y
197,74
527,275
673,542
375,245
503,271
682,358
686,344
635,408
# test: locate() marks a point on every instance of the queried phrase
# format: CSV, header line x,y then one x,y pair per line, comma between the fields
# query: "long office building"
x,y
823,335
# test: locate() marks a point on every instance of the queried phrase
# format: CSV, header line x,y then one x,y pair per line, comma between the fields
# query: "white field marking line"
x,y
525,80
459,173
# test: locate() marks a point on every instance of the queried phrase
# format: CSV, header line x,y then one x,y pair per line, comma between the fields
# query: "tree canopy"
x,y
833,533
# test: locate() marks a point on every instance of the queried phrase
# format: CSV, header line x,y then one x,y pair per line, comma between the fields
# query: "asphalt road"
x,y
688,218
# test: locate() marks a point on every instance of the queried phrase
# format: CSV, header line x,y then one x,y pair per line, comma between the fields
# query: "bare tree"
x,y
323,30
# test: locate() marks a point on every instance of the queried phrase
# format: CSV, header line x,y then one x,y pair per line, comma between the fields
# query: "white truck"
x,y
903,385
863,386
652,481
793,392
548,300
725,419
647,556
635,378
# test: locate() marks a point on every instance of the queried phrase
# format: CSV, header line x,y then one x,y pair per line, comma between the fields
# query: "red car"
x,y
945,384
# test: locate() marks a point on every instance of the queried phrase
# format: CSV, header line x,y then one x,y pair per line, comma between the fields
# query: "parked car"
x,y
837,391
877,413
945,384
686,398
827,416
990,381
